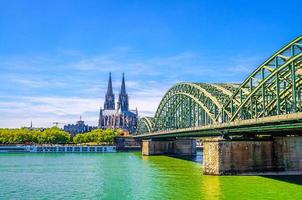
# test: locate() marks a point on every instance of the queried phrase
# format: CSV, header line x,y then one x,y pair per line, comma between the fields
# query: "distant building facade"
x,y
79,127
120,117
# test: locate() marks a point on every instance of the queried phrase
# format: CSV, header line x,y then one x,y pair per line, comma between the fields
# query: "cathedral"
x,y
120,117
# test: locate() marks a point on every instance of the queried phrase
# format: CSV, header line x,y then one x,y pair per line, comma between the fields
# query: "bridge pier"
x,y
279,154
177,146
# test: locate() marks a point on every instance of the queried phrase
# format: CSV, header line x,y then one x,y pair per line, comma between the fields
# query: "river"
x,y
130,176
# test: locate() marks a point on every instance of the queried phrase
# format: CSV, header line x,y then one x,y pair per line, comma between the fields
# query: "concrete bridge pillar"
x,y
177,146
150,147
185,147
279,154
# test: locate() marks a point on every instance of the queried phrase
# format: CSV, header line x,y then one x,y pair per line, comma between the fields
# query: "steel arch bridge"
x,y
273,89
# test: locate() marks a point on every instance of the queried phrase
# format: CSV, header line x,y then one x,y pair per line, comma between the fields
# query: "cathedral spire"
x,y
123,87
123,103
109,89
109,103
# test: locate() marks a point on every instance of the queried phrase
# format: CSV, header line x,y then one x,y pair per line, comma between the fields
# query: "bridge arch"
x,y
145,125
274,88
190,104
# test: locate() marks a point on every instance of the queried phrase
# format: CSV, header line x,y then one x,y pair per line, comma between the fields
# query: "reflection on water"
x,y
211,187
130,176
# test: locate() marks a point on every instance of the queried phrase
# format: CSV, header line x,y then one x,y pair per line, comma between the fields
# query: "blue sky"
x,y
55,55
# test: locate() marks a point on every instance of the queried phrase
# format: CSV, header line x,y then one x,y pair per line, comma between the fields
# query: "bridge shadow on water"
x,y
294,179
198,158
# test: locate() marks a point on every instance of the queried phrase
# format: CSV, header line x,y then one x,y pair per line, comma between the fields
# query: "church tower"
x,y
123,102
109,103
121,117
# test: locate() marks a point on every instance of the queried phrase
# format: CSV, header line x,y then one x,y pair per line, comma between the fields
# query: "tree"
x,y
98,136
52,135
79,138
55,135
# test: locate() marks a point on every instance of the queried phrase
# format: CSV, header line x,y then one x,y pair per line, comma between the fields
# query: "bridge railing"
x,y
239,123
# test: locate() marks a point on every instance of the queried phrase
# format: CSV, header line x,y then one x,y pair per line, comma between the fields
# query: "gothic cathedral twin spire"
x,y
123,102
109,103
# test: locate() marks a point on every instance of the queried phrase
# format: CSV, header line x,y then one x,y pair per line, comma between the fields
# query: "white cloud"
x,y
46,110
76,83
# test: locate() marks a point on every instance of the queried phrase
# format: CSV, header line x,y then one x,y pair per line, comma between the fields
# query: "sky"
x,y
55,55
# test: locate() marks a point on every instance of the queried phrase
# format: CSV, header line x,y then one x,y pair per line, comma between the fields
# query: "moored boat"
x,y
58,149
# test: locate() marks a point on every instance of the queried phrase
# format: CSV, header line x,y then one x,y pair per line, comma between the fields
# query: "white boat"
x,y
59,149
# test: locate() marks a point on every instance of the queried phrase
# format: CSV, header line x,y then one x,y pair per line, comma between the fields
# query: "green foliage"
x,y
55,135
98,136
52,135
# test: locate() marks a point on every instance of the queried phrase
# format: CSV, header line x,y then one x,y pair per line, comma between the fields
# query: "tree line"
x,y
98,136
55,135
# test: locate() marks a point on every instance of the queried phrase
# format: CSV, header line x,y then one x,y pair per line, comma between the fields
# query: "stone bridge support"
x,y
280,154
177,146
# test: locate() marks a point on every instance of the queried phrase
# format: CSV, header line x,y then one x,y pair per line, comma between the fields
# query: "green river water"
x,y
130,176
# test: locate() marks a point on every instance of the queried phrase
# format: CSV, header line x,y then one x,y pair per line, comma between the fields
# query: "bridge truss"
x,y
273,89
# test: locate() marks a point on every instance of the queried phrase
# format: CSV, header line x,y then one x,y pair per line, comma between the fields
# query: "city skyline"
x,y
55,62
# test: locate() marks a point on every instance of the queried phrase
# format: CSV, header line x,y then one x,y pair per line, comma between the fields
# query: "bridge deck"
x,y
274,124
